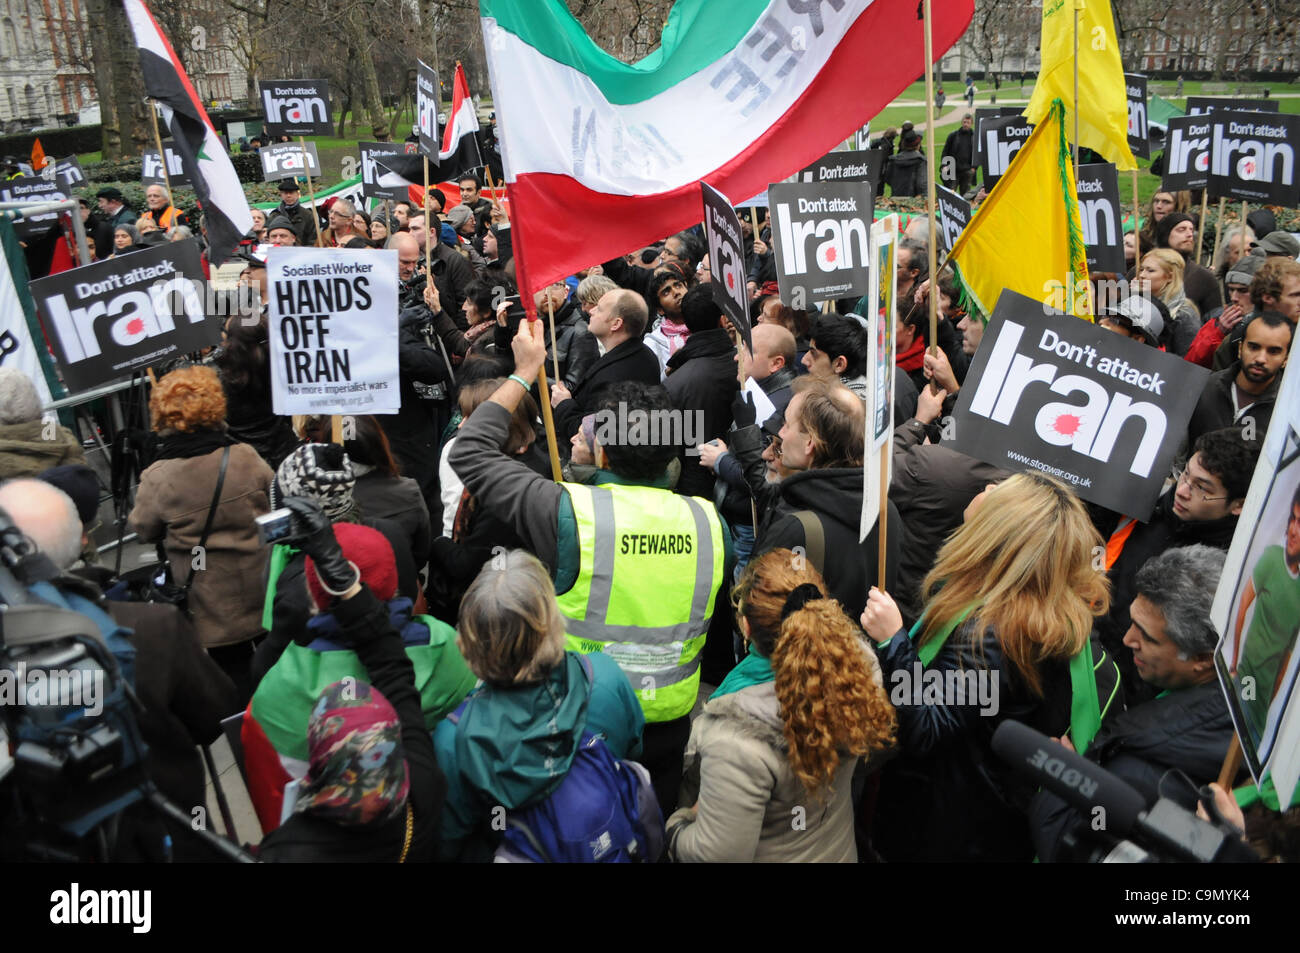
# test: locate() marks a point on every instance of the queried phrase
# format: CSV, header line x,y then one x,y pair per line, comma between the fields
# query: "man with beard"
x,y
1243,394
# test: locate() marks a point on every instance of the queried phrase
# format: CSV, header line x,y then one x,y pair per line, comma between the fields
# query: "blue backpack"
x,y
604,811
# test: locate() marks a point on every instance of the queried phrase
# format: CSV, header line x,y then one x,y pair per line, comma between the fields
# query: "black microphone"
x,y
1088,787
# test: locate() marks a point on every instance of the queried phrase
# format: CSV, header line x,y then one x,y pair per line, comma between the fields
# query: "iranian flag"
x,y
220,194
602,157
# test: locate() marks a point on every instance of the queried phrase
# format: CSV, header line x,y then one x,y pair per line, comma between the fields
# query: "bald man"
x,y
772,365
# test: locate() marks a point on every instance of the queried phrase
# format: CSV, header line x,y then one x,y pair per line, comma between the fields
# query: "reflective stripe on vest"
x,y
666,552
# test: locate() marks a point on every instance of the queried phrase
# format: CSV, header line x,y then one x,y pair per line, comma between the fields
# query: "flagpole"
x,y
929,208
555,345
548,419
1218,229
1075,104
311,191
1200,228
429,233
1243,221
1137,231
162,157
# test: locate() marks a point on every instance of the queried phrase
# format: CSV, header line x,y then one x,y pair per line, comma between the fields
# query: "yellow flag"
x,y
1026,236
1103,120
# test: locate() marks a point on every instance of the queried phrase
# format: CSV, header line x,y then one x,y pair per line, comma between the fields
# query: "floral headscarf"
x,y
358,769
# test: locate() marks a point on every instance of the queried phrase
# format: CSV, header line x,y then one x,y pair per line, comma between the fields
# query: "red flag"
x,y
38,156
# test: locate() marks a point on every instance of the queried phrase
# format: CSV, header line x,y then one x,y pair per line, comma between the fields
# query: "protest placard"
x,y
151,167
126,313
1116,447
378,182
864,166
333,331
297,107
1000,139
427,101
1187,153
1100,215
34,189
1252,157
821,232
954,215
1138,135
990,112
726,261
884,244
1256,608
1200,105
68,172
877,456
288,160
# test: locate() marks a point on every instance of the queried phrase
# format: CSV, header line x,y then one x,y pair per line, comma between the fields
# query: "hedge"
x,y
72,140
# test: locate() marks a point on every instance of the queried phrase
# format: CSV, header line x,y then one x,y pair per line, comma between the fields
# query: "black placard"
x,y
1252,157
1138,142
378,182
68,173
151,170
863,166
35,189
1100,216
990,112
726,260
1001,138
427,101
954,215
127,313
1063,396
1187,153
297,107
822,233
1200,105
286,160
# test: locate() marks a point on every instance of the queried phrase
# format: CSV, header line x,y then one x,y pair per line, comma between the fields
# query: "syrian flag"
x,y
459,153
738,94
220,194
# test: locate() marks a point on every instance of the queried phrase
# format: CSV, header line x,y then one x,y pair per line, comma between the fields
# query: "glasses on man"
x,y
1182,475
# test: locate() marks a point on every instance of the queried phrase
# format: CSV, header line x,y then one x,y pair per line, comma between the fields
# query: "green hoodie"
x,y
513,746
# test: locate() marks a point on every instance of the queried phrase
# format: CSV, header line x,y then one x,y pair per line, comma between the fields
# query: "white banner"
x,y
16,346
333,316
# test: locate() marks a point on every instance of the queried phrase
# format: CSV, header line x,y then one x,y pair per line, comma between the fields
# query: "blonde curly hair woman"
x,y
772,757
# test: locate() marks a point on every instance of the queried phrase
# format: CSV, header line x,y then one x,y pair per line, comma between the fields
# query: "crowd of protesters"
x,y
699,604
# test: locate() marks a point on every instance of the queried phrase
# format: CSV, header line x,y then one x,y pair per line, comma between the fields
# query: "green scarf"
x,y
753,669
1086,710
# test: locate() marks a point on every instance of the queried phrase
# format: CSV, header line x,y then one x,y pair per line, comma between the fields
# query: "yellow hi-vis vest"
x,y
651,564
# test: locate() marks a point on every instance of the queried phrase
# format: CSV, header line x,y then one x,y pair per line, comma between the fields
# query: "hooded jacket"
x,y
905,173
738,767
835,495
1185,731
511,747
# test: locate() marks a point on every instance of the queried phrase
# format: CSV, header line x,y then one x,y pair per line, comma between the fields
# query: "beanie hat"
x,y
368,550
280,221
1166,225
460,216
1243,272
81,484
322,472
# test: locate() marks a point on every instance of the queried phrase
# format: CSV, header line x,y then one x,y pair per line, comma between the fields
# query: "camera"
x,y
275,526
